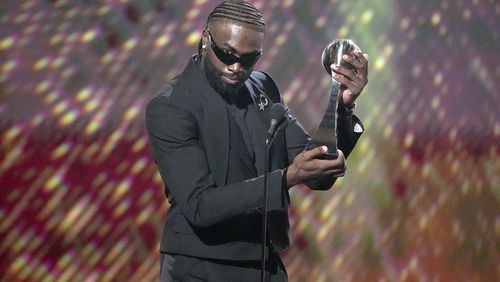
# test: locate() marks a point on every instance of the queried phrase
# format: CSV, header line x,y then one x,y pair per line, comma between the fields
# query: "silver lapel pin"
x,y
263,102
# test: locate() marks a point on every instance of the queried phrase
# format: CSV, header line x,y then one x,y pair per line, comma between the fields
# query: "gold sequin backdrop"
x,y
81,199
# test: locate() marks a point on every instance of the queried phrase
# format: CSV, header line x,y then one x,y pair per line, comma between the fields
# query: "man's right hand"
x,y
308,165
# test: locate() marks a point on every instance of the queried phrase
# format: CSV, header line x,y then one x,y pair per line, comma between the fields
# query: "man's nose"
x,y
236,67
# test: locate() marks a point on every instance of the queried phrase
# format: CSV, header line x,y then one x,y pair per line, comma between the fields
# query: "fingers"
x,y
338,166
355,78
335,172
345,80
314,153
354,83
341,155
353,60
324,166
307,166
360,67
341,72
359,60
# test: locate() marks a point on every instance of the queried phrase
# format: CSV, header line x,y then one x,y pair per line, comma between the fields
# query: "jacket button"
x,y
256,210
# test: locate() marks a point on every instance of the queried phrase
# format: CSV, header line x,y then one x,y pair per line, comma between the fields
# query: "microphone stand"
x,y
269,141
278,117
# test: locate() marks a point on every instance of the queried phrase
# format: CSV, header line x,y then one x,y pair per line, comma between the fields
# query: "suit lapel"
x,y
214,124
260,121
218,133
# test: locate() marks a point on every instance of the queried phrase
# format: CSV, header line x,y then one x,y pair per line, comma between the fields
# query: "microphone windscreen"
x,y
277,113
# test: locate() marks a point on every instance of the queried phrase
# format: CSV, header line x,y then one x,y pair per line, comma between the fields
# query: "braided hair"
x,y
237,12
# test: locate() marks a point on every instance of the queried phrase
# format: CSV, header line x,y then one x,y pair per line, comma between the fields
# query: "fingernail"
x,y
334,66
345,56
324,149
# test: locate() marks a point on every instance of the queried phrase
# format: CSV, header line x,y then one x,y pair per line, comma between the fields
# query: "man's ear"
x,y
204,39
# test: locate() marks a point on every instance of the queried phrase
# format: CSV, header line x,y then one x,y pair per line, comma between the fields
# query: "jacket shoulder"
x,y
169,97
167,89
266,83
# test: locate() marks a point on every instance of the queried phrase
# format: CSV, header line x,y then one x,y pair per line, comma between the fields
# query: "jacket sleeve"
x,y
180,157
349,129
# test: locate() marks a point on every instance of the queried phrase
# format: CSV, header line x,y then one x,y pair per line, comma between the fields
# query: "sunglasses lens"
x,y
249,60
229,59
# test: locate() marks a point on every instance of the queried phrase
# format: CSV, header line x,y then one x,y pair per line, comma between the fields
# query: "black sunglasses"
x,y
228,58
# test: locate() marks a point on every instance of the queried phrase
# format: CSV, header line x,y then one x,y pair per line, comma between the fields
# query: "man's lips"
x,y
230,80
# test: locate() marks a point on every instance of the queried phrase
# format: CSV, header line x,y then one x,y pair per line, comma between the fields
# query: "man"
x,y
207,129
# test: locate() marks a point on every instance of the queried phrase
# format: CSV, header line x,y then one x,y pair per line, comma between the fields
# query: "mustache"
x,y
239,76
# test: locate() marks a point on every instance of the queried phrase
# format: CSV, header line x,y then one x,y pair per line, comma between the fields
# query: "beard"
x,y
214,77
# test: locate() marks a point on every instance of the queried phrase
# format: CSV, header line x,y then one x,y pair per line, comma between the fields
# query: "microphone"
x,y
277,115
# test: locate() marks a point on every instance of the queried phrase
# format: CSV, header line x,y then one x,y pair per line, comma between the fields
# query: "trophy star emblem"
x,y
263,102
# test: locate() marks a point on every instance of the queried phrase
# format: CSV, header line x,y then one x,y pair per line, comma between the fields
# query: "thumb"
x,y
315,152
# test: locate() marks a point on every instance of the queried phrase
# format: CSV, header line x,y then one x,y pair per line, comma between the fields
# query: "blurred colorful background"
x,y
81,199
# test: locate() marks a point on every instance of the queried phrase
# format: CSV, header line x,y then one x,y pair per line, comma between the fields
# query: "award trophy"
x,y
326,134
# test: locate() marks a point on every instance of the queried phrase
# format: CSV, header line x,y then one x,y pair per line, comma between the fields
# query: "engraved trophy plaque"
x,y
326,134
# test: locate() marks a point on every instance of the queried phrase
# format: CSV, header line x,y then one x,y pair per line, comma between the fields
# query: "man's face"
x,y
232,52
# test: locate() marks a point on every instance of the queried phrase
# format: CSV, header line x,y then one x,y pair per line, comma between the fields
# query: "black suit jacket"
x,y
214,188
